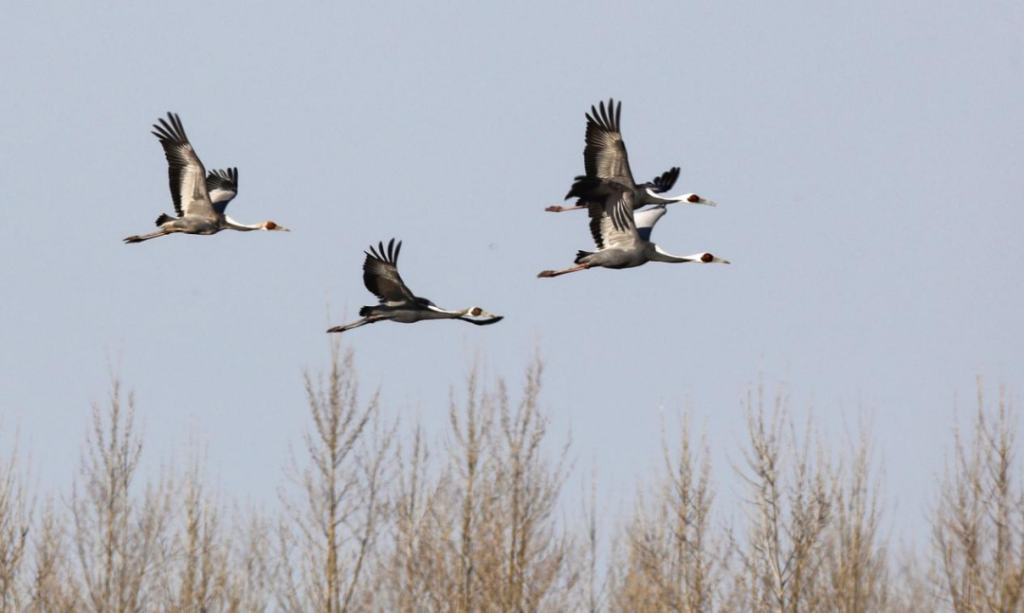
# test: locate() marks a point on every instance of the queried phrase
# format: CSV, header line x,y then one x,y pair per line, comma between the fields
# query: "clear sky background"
x,y
866,158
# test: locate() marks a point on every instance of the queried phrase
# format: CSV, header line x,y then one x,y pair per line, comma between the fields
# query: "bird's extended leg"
x,y
362,322
146,237
564,271
555,208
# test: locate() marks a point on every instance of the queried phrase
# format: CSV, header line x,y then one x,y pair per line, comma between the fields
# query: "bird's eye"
x,y
694,198
707,257
476,311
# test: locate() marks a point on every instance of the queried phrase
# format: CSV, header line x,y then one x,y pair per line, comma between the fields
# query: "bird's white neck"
x,y
659,199
446,312
234,225
660,255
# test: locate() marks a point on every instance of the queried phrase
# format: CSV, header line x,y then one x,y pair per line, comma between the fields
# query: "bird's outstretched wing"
x,y
605,157
186,172
611,222
665,182
222,186
380,275
644,220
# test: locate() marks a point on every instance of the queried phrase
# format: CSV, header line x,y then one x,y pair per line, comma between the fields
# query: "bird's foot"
x,y
132,239
554,208
546,273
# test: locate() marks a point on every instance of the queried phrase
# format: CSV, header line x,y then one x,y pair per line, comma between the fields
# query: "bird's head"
x,y
695,199
269,225
478,312
707,258
480,316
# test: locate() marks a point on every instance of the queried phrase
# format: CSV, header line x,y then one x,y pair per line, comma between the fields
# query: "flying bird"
x,y
199,199
607,166
623,237
397,302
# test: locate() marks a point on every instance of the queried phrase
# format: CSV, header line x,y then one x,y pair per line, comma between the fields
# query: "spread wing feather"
x,y
380,275
605,156
222,186
611,222
665,182
186,173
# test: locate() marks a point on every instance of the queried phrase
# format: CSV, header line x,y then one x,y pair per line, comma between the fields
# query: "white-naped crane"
x,y
397,302
199,199
620,244
606,164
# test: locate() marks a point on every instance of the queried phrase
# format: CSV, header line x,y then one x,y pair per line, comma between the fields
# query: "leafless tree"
x,y
329,539
16,506
119,540
197,565
673,558
479,534
978,522
790,507
54,587
253,568
857,565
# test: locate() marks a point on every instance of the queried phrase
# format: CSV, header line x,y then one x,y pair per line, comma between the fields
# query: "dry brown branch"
x,y
857,564
16,507
54,588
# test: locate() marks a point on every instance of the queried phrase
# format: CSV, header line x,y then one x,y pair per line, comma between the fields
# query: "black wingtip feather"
x,y
388,255
173,131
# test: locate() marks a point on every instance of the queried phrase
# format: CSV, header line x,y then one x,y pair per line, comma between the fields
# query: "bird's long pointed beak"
x,y
282,228
708,202
721,261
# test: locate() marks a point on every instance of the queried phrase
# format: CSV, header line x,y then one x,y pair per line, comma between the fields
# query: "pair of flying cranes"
x,y
619,223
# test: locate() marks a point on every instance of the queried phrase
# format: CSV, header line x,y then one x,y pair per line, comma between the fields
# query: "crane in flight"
x,y
397,302
200,200
620,242
606,164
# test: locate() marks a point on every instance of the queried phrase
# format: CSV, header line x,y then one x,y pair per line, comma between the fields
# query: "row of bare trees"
x,y
375,516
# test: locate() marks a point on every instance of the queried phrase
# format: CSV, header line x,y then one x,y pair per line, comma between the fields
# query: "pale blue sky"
x,y
866,158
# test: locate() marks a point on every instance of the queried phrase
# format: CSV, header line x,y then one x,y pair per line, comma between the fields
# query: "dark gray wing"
x,y
605,156
611,222
185,171
662,184
380,275
222,186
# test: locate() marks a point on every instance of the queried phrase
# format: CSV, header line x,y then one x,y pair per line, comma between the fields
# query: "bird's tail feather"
x,y
365,311
583,186
164,218
580,255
